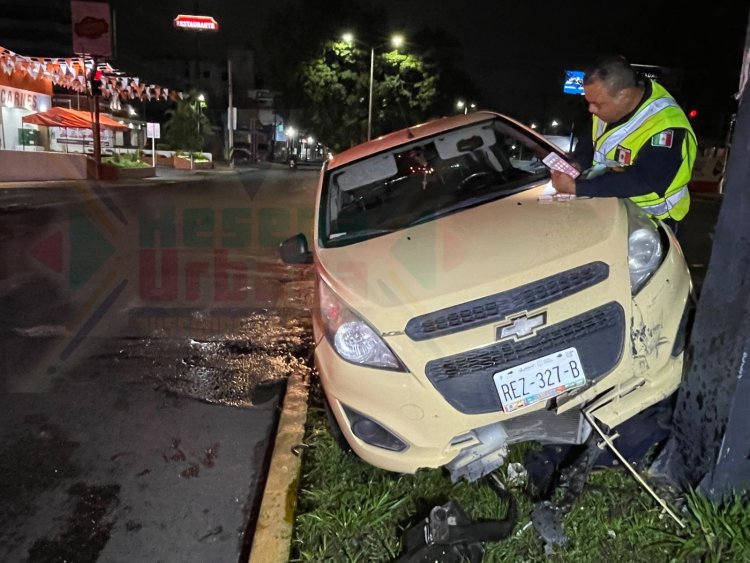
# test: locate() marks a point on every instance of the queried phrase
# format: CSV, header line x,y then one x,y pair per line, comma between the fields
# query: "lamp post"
x,y
199,103
291,133
396,40
369,105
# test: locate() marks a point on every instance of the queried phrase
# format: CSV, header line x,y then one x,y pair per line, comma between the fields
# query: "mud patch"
x,y
209,455
193,470
242,368
88,528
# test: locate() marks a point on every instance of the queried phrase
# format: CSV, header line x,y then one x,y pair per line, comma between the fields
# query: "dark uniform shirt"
x,y
652,172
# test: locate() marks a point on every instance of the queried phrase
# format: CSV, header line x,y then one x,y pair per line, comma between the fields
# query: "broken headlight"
x,y
645,248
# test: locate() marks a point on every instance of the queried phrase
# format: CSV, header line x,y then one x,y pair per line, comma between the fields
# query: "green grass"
x,y
716,532
350,511
128,160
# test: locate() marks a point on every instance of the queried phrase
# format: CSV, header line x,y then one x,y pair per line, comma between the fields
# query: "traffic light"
x,y
693,113
96,83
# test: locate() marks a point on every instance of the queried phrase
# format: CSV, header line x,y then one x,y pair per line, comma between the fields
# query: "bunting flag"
x,y
71,73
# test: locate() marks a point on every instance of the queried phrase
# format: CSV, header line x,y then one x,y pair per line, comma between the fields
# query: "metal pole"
x,y
369,110
572,136
230,114
96,131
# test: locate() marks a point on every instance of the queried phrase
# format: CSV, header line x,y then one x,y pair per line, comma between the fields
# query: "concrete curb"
x,y
273,529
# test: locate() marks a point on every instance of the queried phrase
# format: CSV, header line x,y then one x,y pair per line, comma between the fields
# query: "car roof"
x,y
408,134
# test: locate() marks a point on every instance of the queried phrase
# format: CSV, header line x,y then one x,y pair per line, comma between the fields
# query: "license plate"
x,y
539,380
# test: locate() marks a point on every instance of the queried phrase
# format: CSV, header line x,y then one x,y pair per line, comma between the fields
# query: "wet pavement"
x,y
146,334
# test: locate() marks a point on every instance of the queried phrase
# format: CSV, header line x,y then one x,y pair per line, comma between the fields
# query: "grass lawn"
x,y
350,511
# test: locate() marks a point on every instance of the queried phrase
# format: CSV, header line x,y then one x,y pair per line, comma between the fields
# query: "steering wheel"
x,y
470,178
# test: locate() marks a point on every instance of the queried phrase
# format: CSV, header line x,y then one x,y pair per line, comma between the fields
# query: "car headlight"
x,y
645,249
352,338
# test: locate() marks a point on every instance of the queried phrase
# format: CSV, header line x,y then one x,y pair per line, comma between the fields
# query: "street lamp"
x,y
200,103
291,133
397,41
461,105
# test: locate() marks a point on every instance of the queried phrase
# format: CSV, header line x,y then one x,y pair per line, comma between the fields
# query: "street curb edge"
x,y
273,530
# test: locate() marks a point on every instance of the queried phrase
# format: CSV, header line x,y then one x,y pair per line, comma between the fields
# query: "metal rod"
x,y
635,474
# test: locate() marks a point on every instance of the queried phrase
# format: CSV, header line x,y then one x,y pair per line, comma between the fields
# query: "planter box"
x,y
116,173
161,160
184,164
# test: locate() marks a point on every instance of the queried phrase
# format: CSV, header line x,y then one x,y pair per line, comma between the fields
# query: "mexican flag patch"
x,y
623,155
663,139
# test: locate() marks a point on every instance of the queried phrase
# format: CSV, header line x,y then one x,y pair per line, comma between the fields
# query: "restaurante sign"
x,y
196,23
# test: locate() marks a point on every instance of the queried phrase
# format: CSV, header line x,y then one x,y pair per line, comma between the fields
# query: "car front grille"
x,y
495,308
466,380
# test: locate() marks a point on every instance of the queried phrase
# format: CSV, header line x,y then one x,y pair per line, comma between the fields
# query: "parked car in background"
x,y
463,307
295,162
308,153
241,153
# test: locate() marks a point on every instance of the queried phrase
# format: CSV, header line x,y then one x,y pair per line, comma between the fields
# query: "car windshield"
x,y
427,179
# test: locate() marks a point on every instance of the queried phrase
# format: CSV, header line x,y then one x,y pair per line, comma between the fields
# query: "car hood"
x,y
473,253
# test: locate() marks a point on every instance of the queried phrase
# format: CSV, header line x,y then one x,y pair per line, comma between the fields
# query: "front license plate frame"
x,y
539,379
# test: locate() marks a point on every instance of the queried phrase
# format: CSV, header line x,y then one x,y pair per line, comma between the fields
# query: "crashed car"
x,y
463,307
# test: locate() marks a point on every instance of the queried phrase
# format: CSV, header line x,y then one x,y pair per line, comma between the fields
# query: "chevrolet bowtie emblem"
x,y
522,326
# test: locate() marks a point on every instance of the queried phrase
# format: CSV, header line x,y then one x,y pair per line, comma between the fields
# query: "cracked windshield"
x,y
372,281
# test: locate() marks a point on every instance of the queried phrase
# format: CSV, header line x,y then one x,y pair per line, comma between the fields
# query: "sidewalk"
x,y
163,174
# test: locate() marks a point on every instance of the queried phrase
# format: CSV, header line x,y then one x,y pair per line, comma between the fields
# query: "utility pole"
x,y
95,89
369,105
710,442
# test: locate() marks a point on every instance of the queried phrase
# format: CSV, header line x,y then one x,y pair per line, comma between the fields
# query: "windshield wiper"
x,y
340,237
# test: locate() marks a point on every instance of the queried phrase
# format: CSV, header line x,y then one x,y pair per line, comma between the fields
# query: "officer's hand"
x,y
563,183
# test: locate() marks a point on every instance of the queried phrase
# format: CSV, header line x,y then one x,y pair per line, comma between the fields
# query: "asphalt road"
x,y
146,332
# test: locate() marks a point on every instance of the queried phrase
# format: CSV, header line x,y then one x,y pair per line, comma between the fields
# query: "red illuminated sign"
x,y
196,23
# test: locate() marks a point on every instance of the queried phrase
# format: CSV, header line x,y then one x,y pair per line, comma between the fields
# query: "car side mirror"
x,y
294,250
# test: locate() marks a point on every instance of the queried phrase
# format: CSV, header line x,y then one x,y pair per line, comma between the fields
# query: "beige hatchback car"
x,y
462,306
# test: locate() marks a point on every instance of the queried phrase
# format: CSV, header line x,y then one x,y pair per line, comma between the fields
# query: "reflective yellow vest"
x,y
658,113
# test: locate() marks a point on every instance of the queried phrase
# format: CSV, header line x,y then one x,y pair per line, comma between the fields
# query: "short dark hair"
x,y
614,71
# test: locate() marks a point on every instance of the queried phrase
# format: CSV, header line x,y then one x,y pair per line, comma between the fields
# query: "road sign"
x,y
573,82
153,130
92,28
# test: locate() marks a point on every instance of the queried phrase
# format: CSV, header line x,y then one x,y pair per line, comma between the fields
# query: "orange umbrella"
x,y
74,119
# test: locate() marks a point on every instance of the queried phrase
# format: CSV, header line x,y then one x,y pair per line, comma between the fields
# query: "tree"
x,y
188,127
336,85
442,50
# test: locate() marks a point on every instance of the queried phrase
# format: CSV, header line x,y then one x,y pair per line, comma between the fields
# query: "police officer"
x,y
641,145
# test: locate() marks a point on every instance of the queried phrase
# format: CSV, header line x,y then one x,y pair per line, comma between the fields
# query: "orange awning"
x,y
74,119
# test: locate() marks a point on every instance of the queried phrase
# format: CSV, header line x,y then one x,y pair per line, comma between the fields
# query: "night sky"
x,y
515,51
